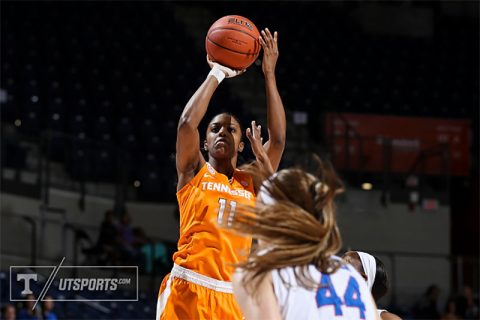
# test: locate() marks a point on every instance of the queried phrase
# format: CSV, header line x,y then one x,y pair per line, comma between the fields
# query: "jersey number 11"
x,y
221,211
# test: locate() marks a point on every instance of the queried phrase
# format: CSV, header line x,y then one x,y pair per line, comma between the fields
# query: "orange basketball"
x,y
232,41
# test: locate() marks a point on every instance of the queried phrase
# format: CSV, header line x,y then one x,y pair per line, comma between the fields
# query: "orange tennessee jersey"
x,y
204,247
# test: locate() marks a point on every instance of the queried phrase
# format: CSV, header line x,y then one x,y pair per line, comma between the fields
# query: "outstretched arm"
x,y
277,125
188,156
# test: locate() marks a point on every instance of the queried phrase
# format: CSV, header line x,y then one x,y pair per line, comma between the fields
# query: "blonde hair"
x,y
299,227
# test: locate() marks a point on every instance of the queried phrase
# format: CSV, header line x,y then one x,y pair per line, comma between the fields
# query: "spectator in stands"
x,y
140,238
126,236
109,241
9,312
130,252
27,312
373,271
126,230
466,306
450,310
426,307
48,305
143,247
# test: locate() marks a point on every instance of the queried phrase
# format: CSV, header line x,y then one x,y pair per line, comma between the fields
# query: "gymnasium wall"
x,y
419,241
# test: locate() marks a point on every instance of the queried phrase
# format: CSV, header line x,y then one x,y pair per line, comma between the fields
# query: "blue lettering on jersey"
x,y
352,297
327,296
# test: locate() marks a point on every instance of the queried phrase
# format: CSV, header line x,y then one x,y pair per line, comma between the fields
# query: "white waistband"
x,y
201,280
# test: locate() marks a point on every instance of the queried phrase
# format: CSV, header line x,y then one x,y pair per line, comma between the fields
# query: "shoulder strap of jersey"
x,y
195,180
245,177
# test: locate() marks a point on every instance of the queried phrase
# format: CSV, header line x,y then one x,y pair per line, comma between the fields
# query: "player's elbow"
x,y
185,123
277,141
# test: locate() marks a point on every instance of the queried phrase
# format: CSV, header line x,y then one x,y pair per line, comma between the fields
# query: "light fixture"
x,y
367,186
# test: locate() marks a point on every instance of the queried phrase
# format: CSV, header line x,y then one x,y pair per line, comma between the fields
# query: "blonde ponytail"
x,y
298,228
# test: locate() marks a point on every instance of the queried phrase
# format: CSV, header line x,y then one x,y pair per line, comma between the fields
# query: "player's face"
x,y
224,137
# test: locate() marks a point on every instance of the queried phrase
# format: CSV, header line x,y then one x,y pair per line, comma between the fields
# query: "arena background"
x,y
388,91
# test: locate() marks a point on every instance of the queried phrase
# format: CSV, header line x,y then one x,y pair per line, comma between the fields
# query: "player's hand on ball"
x,y
269,44
229,73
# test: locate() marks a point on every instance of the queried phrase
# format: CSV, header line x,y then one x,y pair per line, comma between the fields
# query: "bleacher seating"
x,y
121,79
109,83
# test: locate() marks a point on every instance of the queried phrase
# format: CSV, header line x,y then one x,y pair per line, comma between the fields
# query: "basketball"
x,y
232,41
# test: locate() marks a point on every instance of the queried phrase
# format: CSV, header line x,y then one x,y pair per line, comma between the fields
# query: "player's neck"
x,y
223,167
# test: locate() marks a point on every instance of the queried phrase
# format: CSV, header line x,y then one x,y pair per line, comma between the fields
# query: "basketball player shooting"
x,y
199,286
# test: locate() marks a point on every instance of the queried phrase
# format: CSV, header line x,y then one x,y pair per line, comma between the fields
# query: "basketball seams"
x,y
219,45
234,29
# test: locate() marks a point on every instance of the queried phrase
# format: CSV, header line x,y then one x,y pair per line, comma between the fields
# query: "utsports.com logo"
x,y
80,284
74,283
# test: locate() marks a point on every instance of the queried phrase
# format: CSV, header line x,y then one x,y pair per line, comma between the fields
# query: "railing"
x,y
23,143
359,169
121,165
418,168
346,136
33,233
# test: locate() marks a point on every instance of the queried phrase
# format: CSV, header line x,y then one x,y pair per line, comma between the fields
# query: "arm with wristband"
x,y
188,155
221,72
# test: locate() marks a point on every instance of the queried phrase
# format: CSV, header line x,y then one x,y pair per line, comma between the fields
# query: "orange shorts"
x,y
183,297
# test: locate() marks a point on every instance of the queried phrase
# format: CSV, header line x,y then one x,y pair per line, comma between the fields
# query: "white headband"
x,y
264,195
369,266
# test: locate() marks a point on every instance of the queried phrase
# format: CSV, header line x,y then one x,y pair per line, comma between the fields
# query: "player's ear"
x,y
205,145
241,145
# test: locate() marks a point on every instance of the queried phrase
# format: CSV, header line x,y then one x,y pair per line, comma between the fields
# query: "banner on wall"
x,y
399,143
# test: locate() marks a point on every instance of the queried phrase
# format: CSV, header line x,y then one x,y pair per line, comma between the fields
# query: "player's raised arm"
x,y
188,156
277,125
